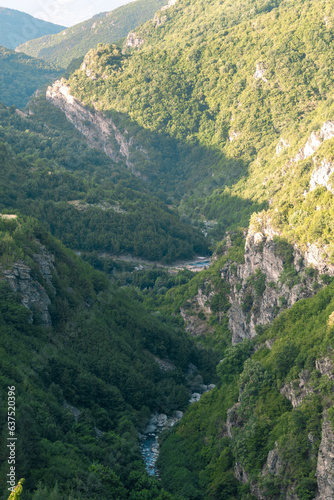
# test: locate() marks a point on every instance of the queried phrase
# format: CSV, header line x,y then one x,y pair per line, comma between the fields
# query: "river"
x,y
150,452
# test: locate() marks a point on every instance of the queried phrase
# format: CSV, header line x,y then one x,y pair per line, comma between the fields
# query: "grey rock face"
x,y
159,19
325,466
317,257
320,176
72,409
273,463
261,256
99,131
315,140
260,72
240,473
296,392
325,367
233,420
33,294
133,40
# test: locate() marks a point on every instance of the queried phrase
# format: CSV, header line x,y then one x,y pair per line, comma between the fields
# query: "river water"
x,y
150,452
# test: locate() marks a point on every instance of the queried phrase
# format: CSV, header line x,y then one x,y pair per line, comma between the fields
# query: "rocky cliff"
x,y
296,392
273,277
196,311
315,140
325,466
99,131
34,285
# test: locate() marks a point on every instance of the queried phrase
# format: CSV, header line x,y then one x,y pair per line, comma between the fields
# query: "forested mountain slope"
x,y
267,432
82,356
230,99
17,27
224,110
21,76
107,27
87,200
238,97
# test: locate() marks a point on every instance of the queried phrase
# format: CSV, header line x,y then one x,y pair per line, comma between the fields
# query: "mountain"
x,y
229,112
81,361
213,117
21,76
107,27
50,173
18,27
209,92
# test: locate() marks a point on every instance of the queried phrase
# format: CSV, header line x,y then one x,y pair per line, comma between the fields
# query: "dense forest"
x,y
210,80
21,76
99,357
235,427
217,139
84,198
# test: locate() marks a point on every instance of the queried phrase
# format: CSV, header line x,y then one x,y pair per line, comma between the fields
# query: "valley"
x,y
167,253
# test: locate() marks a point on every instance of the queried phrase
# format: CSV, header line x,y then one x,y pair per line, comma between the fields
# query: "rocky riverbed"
x,y
157,424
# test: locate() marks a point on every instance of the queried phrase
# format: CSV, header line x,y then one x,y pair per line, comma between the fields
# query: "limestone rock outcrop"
x,y
161,18
99,131
321,175
260,72
133,40
325,465
34,290
257,292
315,140
297,391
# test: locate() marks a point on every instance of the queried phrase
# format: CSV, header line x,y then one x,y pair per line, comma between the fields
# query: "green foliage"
x,y
100,358
21,76
331,416
15,495
81,196
262,415
198,89
289,274
258,282
234,360
206,105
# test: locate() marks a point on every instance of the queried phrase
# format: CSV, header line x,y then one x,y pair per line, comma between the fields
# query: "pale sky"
x,y
64,12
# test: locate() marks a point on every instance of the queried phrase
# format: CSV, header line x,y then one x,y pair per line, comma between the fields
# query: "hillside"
x,y
232,104
18,27
21,76
82,358
107,27
206,87
267,432
90,202
212,117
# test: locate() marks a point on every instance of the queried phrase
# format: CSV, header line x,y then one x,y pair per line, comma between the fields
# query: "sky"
x,y
63,12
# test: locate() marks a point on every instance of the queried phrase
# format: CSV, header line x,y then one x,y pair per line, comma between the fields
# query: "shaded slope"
x,y
89,201
21,76
206,75
86,385
260,432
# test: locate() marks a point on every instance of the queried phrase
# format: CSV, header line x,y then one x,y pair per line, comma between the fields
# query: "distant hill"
x,y
21,76
18,27
106,27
